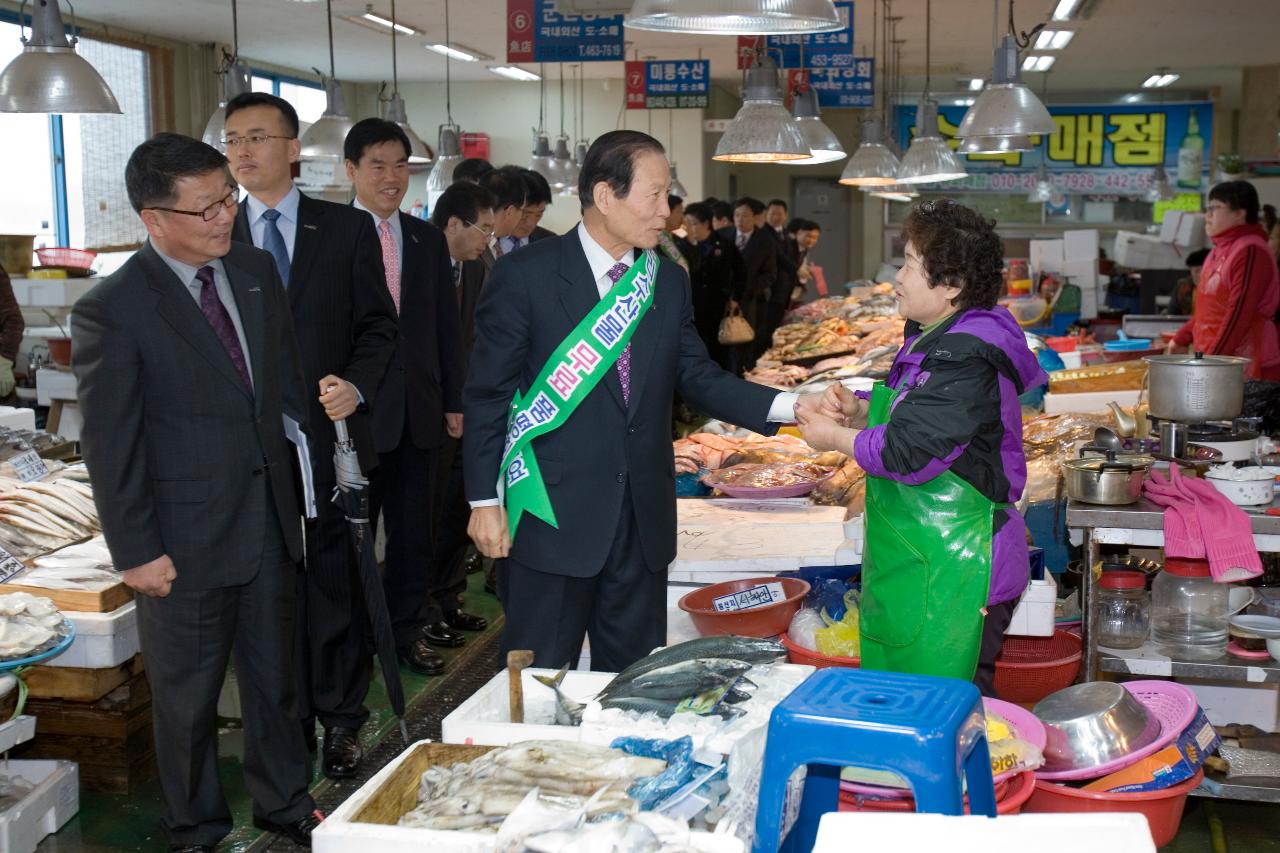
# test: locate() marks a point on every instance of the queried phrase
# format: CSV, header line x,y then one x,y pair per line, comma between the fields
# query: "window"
x,y
26,145
307,98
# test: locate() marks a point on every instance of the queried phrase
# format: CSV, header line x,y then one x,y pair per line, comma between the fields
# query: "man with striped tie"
x,y
327,258
420,400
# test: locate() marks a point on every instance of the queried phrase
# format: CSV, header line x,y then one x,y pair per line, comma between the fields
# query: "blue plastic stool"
x,y
929,730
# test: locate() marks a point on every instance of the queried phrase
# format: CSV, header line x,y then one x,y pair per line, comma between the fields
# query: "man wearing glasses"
x,y
187,365
420,400
465,213
328,260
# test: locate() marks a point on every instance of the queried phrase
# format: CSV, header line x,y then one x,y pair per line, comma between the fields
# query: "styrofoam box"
x,y
1085,402
1035,614
17,418
1043,833
102,639
1227,703
338,833
54,801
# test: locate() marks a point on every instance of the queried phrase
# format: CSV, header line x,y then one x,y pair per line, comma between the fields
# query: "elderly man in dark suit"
x,y
420,399
188,367
327,256
600,570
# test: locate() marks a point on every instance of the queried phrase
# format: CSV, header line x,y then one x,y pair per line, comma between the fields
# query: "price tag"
x,y
9,565
29,466
756,596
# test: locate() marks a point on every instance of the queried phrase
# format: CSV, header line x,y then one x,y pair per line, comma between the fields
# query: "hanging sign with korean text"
x,y
1109,148
668,84
821,50
853,86
542,31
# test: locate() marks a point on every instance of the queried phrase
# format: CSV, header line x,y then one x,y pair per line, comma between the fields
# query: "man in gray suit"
x,y
187,367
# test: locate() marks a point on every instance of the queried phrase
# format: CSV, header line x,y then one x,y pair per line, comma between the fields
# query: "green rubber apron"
x,y
926,569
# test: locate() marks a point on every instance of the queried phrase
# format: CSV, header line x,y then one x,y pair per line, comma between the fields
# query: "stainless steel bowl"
x,y
1089,725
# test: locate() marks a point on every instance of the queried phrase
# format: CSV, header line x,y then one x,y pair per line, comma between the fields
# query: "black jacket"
x,y
717,274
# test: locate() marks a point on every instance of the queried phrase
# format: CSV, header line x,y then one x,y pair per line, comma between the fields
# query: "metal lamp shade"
x,y
562,165
1006,107
873,164
735,17
995,144
762,131
49,76
419,152
929,159
824,147
892,192
448,156
1043,190
542,160
235,82
1160,190
677,188
324,139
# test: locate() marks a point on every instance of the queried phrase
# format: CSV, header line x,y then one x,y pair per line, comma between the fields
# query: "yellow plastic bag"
x,y
843,638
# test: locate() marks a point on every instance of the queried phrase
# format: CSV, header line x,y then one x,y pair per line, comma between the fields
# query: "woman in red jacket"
x,y
1239,291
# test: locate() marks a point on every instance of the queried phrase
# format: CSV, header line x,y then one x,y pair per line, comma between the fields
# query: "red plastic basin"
x,y
767,621
1162,809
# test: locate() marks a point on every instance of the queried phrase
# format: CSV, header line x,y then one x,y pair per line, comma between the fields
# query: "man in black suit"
x,y
187,370
420,398
510,191
464,212
537,199
608,469
759,252
327,256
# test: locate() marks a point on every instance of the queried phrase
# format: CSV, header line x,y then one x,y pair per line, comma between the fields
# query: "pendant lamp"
x,y
1043,190
929,159
49,76
542,160
824,147
564,173
419,153
1006,107
448,145
873,164
323,140
995,144
735,17
1160,190
762,131
235,82
677,188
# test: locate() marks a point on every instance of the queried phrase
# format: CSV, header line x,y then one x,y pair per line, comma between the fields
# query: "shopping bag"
x,y
734,328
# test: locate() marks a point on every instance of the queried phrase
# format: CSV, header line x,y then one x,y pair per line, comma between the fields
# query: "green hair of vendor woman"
x,y
959,247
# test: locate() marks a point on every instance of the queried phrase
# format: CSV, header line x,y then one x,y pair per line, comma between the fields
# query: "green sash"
x,y
575,367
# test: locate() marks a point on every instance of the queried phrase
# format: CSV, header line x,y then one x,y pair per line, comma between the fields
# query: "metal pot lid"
x,y
1134,461
1197,360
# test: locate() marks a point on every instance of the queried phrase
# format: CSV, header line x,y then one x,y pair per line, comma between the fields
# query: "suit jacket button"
x,y
621,477
631,430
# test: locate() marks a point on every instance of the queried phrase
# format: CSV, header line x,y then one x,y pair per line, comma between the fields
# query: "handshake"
x,y
834,422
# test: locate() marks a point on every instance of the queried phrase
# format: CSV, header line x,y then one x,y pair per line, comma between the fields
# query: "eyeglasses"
x,y
487,232
252,141
210,213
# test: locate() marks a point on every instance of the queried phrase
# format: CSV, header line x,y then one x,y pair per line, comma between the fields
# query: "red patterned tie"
x,y
616,272
216,313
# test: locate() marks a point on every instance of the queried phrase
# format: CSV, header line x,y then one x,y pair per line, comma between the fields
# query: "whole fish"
x,y
681,680
752,650
576,762
568,712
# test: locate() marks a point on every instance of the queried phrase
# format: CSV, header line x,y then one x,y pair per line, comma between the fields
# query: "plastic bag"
x,y
1009,753
828,595
680,767
803,625
842,637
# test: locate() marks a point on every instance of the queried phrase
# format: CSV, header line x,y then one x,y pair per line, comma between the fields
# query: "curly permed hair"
x,y
959,248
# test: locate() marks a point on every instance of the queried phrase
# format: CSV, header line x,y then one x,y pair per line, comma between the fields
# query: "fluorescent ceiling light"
x,y
400,28
964,102
1038,63
1065,10
1159,81
976,84
454,51
1133,99
513,73
1054,39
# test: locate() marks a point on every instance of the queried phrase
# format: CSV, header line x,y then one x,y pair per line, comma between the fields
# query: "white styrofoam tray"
x,y
338,833
1043,833
102,639
54,801
485,718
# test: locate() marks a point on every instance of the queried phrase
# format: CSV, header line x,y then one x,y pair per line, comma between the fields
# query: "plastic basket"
x,y
1162,809
64,257
1030,668
797,653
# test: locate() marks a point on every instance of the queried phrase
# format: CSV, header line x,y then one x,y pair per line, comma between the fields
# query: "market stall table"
x,y
1142,525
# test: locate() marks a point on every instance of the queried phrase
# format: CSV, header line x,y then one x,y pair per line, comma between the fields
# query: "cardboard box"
x,y
1175,763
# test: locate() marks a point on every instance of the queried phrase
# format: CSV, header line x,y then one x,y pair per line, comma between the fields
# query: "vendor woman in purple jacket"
x,y
945,558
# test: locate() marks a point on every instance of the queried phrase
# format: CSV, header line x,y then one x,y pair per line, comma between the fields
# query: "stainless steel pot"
x,y
1113,480
1092,724
1196,388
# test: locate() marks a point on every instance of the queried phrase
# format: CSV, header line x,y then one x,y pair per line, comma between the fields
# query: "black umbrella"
x,y
352,494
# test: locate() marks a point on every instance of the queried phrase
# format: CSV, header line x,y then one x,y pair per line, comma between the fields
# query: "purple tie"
x,y
616,272
216,313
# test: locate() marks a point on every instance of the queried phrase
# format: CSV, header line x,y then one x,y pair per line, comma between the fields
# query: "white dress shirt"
x,y
187,275
782,410
287,222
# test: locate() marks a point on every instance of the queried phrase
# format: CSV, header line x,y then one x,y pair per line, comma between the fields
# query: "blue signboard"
x,y
821,50
1102,148
853,86
561,35
668,84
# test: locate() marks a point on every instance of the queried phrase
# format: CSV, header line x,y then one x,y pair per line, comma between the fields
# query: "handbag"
x,y
734,328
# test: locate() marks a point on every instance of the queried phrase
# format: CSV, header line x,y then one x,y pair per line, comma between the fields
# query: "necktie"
x,y
390,261
216,313
616,272
742,240
273,242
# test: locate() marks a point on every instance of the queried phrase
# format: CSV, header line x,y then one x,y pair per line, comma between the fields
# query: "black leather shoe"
x,y
460,621
299,831
440,634
342,752
190,848
421,658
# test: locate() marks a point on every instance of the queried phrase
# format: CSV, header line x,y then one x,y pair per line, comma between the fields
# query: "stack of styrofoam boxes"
x,y
53,800
1035,613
